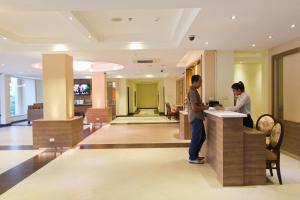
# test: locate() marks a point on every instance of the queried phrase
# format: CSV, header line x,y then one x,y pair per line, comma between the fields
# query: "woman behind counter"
x,y
243,103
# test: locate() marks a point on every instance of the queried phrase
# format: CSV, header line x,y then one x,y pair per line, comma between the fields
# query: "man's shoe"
x,y
197,161
201,158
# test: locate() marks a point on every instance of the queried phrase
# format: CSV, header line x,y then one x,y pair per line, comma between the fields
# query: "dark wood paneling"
x,y
66,133
291,139
254,157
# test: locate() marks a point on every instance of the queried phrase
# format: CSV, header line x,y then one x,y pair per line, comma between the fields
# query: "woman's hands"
x,y
219,107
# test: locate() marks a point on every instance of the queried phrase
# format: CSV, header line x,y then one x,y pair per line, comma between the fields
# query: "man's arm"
x,y
197,108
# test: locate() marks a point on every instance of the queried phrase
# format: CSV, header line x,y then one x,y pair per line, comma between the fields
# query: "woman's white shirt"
x,y
243,104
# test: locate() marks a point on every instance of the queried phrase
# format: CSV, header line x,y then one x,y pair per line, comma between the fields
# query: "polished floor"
x,y
142,174
16,135
131,173
144,120
11,158
136,133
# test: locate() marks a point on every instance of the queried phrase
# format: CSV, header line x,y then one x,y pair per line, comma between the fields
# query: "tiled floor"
x,y
9,159
143,120
142,174
16,135
136,133
135,173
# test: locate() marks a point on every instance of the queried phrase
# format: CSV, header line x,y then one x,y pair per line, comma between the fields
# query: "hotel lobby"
x,y
96,99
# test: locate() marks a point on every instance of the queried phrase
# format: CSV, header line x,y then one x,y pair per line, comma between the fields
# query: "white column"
x,y
4,99
99,90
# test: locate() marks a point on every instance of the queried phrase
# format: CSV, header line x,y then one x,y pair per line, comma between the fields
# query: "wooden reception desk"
x,y
236,153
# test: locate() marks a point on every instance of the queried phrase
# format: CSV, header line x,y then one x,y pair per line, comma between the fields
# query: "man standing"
x,y
196,117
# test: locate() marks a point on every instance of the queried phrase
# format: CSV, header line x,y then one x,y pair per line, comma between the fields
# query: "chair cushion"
x,y
271,156
275,134
265,124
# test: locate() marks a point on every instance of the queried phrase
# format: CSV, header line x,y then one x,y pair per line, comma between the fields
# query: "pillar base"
x,y
57,133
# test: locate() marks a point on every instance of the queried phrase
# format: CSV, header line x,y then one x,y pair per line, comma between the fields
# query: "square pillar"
x,y
99,113
59,128
58,87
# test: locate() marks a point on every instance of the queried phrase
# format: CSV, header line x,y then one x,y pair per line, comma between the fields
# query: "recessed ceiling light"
x,y
233,17
4,38
157,19
70,18
136,46
293,25
253,45
149,76
270,37
60,47
206,43
119,76
89,36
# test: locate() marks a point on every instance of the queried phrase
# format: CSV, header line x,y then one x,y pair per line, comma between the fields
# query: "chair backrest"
x,y
168,107
276,136
265,123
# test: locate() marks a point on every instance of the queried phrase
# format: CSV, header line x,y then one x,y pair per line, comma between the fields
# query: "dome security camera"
x,y
192,37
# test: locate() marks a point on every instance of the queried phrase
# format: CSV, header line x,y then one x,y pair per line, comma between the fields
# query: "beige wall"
x,y
208,75
170,90
39,91
132,91
251,75
147,95
291,88
273,51
121,97
161,103
224,77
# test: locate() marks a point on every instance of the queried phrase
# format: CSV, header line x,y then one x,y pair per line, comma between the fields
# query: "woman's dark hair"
x,y
238,86
195,78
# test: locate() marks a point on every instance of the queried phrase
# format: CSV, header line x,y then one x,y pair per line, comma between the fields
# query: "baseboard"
x,y
121,115
4,125
23,120
290,154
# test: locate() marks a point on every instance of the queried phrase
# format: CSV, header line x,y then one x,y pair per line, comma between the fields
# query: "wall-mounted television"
x,y
82,89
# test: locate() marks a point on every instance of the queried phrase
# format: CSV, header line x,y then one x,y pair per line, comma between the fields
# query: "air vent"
x,y
116,19
145,61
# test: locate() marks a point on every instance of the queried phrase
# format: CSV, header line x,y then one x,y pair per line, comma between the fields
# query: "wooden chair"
x,y
273,150
265,124
170,112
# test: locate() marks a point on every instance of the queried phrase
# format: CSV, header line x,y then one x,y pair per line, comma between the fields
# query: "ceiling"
x,y
125,31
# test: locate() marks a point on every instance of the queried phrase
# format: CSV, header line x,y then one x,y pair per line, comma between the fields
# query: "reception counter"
x,y
236,153
185,131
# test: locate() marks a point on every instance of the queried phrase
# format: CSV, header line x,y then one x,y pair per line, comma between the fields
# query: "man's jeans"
x,y
198,138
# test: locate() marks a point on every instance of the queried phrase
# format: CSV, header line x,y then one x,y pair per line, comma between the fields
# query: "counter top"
x,y
225,114
183,112
220,113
